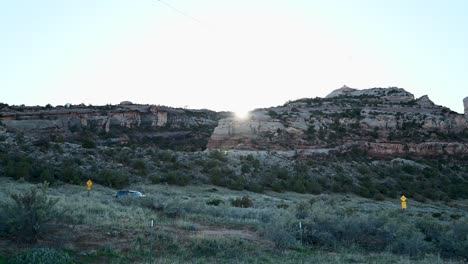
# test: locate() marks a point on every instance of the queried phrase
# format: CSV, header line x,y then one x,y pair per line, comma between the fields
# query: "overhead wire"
x,y
179,11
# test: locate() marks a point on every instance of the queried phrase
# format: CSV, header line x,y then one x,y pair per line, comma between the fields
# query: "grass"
x,y
101,228
2,260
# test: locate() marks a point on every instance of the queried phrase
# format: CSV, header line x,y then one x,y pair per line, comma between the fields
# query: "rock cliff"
x,y
379,121
382,121
125,123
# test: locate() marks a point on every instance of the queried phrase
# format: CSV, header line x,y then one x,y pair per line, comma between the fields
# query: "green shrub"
x,y
254,187
176,178
215,202
30,213
273,114
112,178
218,155
88,143
330,230
41,256
379,197
282,238
140,166
436,215
282,206
224,248
71,174
244,202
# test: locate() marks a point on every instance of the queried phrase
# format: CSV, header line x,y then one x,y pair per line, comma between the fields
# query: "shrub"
x,y
244,202
71,174
379,197
273,114
455,242
303,210
112,178
329,230
140,166
177,178
254,187
282,206
215,202
41,256
88,143
222,248
282,238
29,214
218,155
436,215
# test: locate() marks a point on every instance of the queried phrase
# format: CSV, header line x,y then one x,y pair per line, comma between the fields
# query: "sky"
x,y
233,55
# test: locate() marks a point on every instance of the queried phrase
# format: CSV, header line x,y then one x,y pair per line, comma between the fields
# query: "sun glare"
x,y
241,114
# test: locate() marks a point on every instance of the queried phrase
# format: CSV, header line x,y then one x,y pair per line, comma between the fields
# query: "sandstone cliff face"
x,y
114,124
386,121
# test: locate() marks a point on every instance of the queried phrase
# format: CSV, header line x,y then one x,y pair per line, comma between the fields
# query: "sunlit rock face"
x,y
382,121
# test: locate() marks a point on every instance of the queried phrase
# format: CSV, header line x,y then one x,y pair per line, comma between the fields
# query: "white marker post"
x,y
151,241
300,230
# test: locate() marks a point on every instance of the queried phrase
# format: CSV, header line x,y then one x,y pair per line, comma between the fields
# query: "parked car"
x,y
128,193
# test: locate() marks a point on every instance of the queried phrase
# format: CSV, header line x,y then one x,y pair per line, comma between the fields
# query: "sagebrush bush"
x,y
215,202
29,214
281,236
244,202
112,178
224,248
176,178
41,256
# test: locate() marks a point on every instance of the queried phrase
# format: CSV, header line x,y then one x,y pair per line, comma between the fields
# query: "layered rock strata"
x,y
390,121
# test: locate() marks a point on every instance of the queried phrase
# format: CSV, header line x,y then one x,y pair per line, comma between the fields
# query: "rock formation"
x,y
382,121
109,124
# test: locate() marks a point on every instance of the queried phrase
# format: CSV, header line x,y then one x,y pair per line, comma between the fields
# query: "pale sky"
x,y
232,55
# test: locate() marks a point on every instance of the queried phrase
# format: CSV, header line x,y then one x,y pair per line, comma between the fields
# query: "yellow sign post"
x,y
89,183
403,202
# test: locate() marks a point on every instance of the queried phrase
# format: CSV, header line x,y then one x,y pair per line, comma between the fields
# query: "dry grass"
x,y
101,228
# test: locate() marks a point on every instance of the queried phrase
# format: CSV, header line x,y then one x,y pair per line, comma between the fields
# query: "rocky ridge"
x,y
119,124
380,121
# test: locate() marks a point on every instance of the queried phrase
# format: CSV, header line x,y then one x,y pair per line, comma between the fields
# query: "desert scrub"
x,y
29,214
41,256
244,202
215,202
392,231
225,248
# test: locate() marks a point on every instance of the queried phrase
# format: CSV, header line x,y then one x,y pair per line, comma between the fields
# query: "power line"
x,y
179,11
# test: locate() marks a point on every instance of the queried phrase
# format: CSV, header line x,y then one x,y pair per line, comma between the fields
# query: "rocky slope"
x,y
374,143
381,121
120,124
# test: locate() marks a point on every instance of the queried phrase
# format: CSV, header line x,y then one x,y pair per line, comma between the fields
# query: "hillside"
x,y
382,122
337,164
200,224
126,123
